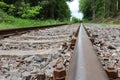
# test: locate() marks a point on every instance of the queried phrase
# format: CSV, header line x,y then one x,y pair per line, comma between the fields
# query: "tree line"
x,y
99,9
37,9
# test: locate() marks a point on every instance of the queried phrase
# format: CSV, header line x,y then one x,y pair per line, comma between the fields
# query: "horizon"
x,y
74,8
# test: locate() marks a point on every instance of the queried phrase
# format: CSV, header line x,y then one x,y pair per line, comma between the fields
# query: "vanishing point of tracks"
x,y
58,52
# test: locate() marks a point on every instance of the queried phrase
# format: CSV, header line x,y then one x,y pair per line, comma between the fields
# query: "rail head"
x,y
84,63
13,31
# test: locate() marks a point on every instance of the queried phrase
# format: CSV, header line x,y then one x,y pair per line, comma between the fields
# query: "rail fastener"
x,y
60,72
111,72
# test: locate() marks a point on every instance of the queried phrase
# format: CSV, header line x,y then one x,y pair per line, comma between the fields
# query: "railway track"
x,y
106,42
52,53
34,53
91,61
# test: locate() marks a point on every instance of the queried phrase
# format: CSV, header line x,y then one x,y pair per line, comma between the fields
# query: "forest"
x,y
25,13
36,9
14,11
99,9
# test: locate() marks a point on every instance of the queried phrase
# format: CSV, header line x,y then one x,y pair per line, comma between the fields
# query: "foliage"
x,y
3,16
18,22
3,5
58,11
38,9
11,9
85,20
75,20
7,21
86,8
62,11
99,9
25,11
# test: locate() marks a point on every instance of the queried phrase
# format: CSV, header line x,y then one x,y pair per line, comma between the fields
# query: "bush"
x,y
11,9
3,16
75,20
27,12
31,12
3,5
85,20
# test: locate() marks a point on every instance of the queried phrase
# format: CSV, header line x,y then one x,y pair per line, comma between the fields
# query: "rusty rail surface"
x,y
84,63
13,31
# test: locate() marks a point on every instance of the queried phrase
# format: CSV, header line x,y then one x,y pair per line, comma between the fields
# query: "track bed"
x,y
34,54
106,43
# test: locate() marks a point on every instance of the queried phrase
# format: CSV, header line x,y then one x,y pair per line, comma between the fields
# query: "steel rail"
x,y
13,31
84,64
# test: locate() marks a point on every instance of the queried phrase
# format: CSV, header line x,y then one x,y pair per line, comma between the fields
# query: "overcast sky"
x,y
74,7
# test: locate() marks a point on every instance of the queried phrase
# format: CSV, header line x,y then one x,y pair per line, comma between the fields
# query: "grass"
x,y
7,21
17,22
110,24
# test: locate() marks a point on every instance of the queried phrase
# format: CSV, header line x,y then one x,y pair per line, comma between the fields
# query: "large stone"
x,y
111,47
26,74
29,59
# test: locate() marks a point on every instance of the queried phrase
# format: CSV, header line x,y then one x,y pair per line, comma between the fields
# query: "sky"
x,y
74,7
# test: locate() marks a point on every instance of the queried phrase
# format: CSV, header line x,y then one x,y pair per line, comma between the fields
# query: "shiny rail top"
x,y
84,63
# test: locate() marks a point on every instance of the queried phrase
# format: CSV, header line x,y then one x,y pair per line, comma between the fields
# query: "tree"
x,y
86,9
93,9
40,9
62,10
59,10
75,20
